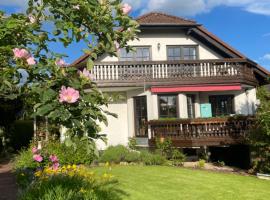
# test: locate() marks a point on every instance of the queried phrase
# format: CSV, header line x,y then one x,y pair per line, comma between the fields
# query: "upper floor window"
x,y
140,54
182,52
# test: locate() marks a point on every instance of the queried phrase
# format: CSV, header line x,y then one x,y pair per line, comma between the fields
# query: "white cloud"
x,y
266,57
194,7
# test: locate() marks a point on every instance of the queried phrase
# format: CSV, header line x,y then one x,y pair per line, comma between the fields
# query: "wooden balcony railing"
x,y
200,132
149,71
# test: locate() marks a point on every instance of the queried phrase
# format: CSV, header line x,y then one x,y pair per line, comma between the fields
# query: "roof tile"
x,y
162,18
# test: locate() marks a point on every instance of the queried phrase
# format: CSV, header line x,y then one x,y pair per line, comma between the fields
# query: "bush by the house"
x,y
132,143
164,147
115,154
149,158
201,163
120,153
178,158
133,156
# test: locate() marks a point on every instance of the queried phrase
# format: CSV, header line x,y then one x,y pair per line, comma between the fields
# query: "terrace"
x,y
140,73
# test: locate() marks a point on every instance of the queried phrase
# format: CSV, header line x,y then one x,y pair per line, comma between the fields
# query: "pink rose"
x,y
34,150
21,53
61,63
85,73
53,158
126,8
37,157
31,61
55,166
69,95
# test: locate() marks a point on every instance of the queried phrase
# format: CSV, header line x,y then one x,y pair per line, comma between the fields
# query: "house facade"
x,y
181,82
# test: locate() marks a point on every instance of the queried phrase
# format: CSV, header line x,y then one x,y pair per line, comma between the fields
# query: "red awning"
x,y
201,88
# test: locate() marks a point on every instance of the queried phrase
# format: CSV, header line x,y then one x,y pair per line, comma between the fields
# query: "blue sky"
x,y
244,24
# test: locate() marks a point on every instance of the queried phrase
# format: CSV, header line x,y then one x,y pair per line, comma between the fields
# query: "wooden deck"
x,y
201,132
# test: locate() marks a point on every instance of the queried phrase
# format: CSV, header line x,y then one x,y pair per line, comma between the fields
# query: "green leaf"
x,y
68,142
90,64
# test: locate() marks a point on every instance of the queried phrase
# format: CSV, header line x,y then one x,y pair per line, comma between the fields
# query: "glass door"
x,y
140,111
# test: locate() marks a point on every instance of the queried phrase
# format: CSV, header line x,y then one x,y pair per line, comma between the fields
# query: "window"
x,y
174,53
189,53
191,105
181,52
221,105
140,54
167,106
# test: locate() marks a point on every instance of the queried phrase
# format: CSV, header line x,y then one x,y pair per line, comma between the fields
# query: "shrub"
x,y
78,153
71,182
25,160
164,146
178,158
133,156
201,163
115,154
132,143
152,159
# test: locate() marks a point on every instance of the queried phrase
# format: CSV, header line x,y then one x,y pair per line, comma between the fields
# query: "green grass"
x,y
170,183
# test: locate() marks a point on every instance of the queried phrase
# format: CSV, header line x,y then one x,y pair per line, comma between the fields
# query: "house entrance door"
x,y
140,111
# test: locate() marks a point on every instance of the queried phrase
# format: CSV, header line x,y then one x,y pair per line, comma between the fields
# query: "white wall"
x,y
117,129
166,38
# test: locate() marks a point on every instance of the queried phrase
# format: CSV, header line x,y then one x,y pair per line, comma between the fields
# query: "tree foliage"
x,y
101,24
260,136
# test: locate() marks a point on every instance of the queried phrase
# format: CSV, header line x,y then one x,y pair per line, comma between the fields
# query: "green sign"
x,y
206,110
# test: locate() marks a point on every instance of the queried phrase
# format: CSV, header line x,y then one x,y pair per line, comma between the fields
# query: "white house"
x,y
182,82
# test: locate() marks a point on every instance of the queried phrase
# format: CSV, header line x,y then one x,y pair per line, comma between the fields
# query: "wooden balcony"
x,y
173,72
201,132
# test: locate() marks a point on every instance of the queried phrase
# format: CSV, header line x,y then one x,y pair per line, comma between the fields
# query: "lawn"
x,y
167,183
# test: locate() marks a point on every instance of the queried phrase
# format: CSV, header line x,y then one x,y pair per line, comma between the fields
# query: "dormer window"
x,y
182,53
140,54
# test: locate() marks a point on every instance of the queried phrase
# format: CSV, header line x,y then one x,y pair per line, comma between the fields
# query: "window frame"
x,y
196,46
176,102
135,52
193,105
223,95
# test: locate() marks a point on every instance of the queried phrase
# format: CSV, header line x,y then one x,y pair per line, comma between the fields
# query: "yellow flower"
x,y
74,166
107,164
68,166
38,173
22,174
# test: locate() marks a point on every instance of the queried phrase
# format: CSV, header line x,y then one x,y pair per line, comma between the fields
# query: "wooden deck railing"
x,y
213,130
156,70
